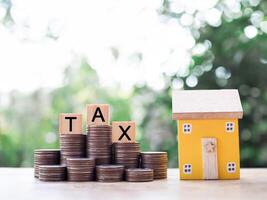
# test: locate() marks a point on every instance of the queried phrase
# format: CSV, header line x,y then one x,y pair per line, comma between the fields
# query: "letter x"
x,y
124,132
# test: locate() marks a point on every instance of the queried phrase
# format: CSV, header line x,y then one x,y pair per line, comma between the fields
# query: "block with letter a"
x,y
97,114
123,132
70,123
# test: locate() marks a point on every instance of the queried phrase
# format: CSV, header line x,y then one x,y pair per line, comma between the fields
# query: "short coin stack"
x,y
72,146
45,157
126,154
158,161
81,169
109,173
139,175
52,173
99,143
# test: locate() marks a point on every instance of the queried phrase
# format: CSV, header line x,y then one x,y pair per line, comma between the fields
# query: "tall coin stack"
x,y
81,169
72,146
99,143
158,161
45,157
126,154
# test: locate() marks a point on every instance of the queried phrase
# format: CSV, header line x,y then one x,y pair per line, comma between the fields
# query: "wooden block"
x,y
97,114
209,158
70,123
123,132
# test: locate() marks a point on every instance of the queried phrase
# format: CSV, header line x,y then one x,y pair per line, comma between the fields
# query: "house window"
x,y
187,128
229,127
187,169
231,167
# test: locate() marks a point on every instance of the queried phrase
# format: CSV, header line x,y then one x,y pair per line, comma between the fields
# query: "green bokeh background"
x,y
232,60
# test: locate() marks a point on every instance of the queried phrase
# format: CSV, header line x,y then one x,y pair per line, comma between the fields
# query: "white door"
x,y
209,158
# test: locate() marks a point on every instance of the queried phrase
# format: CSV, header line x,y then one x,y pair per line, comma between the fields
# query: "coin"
x,y
158,161
45,157
52,173
127,154
139,175
109,173
81,169
72,145
99,143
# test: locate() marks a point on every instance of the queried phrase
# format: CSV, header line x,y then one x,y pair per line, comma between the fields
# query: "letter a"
x,y
98,114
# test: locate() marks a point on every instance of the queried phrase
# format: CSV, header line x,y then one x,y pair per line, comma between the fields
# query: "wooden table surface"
x,y
19,184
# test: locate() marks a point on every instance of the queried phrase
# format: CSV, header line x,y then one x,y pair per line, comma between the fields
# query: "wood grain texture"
x,y
193,104
123,131
208,115
209,158
18,183
98,114
76,123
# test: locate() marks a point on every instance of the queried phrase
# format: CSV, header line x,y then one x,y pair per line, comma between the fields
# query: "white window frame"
x,y
187,168
231,167
187,128
230,125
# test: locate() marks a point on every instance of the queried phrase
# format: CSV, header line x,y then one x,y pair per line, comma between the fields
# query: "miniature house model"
x,y
208,139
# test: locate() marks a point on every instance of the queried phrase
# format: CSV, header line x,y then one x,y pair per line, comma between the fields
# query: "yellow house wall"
x,y
190,149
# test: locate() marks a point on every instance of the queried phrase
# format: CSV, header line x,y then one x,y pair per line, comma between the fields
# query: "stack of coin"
x,y
72,146
109,173
158,161
81,169
52,173
99,143
139,175
45,157
126,154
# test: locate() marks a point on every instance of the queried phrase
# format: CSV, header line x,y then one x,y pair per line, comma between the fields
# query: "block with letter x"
x,y
97,114
123,132
70,123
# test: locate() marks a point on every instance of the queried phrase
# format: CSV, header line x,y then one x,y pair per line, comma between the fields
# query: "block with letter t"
x,y
70,123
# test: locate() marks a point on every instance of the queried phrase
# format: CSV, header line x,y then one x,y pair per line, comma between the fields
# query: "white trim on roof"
x,y
206,104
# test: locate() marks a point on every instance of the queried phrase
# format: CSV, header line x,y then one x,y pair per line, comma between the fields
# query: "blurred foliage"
x,y
30,121
234,56
227,54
